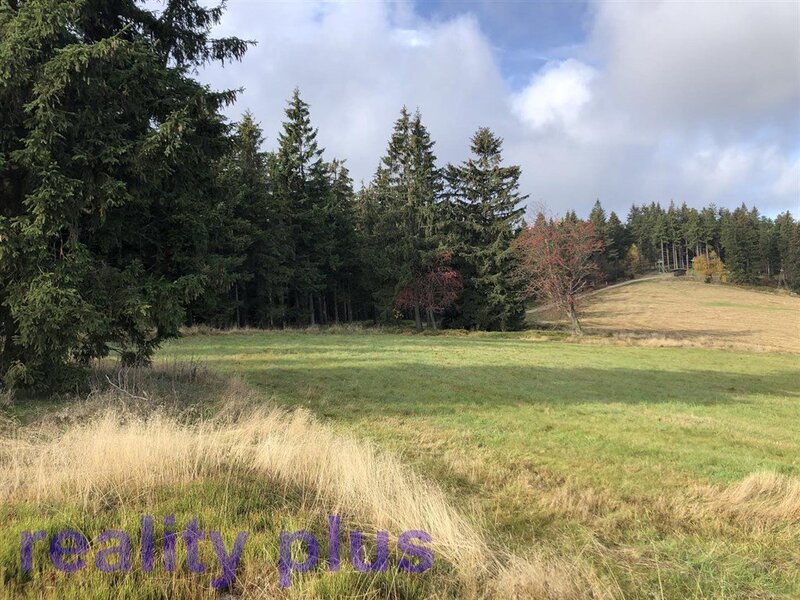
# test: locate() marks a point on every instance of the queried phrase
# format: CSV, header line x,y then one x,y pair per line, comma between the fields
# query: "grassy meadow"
x,y
628,466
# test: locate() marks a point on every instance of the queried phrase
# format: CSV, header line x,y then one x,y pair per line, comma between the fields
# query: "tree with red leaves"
x,y
435,288
556,262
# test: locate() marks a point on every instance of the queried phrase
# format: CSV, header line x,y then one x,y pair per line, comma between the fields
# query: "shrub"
x,y
710,267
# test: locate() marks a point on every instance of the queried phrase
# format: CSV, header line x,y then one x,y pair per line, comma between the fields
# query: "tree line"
x,y
755,249
129,206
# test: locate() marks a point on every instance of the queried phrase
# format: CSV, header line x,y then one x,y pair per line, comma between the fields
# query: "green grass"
x,y
562,447
229,506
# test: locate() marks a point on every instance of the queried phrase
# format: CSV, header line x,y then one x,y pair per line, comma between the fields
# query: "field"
x,y
690,312
607,467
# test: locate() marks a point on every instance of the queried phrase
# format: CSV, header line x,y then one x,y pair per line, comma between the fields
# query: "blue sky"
x,y
524,35
627,102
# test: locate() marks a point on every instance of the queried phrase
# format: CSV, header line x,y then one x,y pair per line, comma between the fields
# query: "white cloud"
x,y
707,64
555,95
357,65
695,102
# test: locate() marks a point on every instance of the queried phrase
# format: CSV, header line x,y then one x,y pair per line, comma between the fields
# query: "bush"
x,y
710,267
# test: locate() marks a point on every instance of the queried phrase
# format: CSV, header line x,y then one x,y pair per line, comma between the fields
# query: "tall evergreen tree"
x,y
405,195
616,244
784,229
342,265
108,187
792,264
485,207
262,232
740,244
300,184
597,217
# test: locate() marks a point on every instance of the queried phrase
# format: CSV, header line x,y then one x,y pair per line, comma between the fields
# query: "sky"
x,y
625,102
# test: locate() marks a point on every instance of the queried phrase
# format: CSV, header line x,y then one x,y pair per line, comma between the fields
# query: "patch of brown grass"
x,y
767,496
685,312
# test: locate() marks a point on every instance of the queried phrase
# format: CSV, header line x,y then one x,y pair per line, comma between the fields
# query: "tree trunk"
x,y
238,313
323,309
311,308
270,307
573,317
417,318
349,305
335,305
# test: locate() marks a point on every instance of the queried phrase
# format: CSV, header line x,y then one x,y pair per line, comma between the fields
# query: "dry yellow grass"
x,y
683,311
104,454
768,497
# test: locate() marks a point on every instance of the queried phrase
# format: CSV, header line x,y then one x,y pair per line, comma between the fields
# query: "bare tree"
x,y
556,262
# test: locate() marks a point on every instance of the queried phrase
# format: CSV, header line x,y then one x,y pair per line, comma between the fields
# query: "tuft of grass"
x,y
104,460
768,497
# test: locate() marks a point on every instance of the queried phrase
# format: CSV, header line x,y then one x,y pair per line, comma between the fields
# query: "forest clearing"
x,y
421,300
626,472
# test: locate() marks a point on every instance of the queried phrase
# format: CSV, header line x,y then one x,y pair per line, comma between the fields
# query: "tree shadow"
x,y
445,389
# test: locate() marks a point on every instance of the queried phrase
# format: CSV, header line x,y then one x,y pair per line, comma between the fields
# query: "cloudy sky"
x,y
627,102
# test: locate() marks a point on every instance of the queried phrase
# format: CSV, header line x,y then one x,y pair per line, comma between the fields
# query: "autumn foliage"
x,y
435,288
556,261
710,267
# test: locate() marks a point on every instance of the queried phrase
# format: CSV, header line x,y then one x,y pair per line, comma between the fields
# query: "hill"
x,y
688,312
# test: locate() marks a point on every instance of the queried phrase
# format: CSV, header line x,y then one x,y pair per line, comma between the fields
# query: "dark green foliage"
x,y
616,240
300,183
108,157
256,229
485,212
740,238
791,265
399,214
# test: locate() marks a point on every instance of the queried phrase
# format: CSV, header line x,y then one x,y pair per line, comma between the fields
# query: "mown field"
x,y
688,312
601,468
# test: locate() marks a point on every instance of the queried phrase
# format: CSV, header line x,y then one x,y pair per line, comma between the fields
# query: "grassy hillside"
x,y
687,311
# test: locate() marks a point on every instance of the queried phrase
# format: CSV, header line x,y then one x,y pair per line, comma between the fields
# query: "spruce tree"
x,y
300,184
616,245
597,217
740,244
405,194
784,230
792,264
485,206
108,187
259,227
342,264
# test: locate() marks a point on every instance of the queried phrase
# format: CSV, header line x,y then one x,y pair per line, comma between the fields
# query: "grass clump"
x,y
124,452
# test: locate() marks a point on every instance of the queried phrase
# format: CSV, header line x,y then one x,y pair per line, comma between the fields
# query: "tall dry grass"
x,y
766,497
105,452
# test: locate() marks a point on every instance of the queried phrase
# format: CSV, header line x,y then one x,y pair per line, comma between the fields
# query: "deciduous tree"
x,y
557,262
